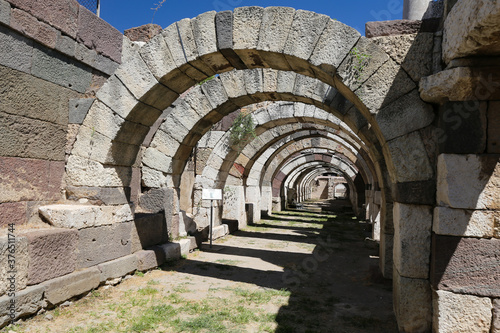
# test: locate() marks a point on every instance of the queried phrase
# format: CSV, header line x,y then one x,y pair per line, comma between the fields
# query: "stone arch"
x,y
303,56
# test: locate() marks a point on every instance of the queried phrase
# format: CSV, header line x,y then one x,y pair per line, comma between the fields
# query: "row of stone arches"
x,y
305,65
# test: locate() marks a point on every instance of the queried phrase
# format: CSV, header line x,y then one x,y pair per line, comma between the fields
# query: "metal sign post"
x,y
211,194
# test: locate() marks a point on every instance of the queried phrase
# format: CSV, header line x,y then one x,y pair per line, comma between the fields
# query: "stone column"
x,y
415,9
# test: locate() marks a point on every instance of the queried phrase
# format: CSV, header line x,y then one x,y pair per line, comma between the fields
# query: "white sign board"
x,y
211,194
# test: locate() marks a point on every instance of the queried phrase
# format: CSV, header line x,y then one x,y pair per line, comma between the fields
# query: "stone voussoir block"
x,y
118,267
65,287
52,253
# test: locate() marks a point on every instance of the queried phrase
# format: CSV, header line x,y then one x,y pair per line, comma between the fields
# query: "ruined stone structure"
x,y
107,144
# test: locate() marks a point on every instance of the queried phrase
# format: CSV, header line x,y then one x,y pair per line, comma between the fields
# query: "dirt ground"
x,y
310,270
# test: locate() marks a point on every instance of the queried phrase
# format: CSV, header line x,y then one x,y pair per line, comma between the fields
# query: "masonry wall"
x,y
54,56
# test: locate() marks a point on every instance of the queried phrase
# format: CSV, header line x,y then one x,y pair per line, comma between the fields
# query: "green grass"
x,y
228,262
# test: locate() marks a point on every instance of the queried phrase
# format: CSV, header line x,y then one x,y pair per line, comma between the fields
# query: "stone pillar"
x,y
415,9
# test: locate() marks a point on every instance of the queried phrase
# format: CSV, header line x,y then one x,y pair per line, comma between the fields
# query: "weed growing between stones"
x,y
358,66
242,131
359,63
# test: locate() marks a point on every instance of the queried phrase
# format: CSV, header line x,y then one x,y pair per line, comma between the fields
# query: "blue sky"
x,y
124,14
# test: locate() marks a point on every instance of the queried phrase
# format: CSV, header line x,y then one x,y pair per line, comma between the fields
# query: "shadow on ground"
x,y
334,279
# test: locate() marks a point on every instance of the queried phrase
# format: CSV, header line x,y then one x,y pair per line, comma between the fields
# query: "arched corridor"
x,y
261,104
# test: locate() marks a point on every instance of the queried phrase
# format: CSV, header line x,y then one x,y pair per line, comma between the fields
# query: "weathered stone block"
x,y
466,265
410,158
63,288
496,316
106,195
413,52
4,12
172,251
25,137
28,302
354,78
459,222
306,29
184,245
461,40
461,84
52,253
137,77
220,231
333,46
61,14
97,34
30,180
422,192
246,27
17,248
478,174
386,85
66,45
12,212
148,259
85,55
460,313
97,245
157,160
59,69
153,178
117,268
78,109
16,52
412,240
31,27
144,33
148,230
407,114
46,101
390,28
105,65
412,304
463,127
80,216
85,172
